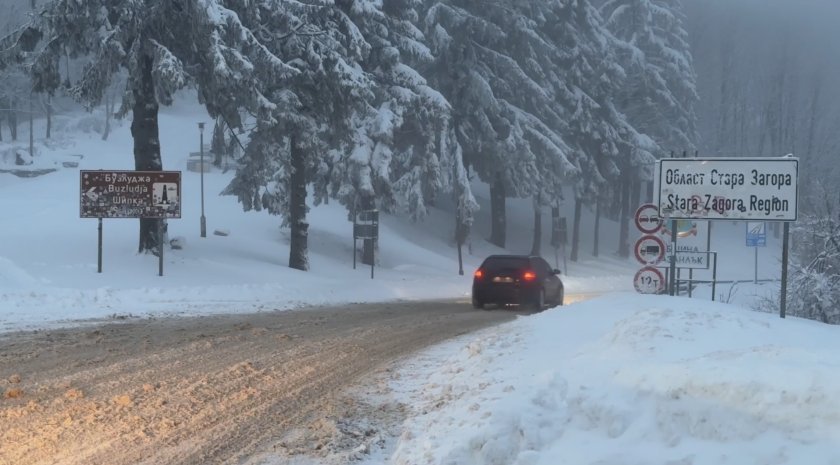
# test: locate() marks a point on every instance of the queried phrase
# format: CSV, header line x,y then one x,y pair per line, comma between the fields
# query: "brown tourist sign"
x,y
130,194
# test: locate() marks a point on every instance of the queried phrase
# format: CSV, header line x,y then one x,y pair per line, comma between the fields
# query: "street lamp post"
x,y
201,166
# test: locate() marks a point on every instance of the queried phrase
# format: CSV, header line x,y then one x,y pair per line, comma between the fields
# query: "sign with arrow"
x,y
756,234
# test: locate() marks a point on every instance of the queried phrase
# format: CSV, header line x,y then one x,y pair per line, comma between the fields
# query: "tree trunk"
x,y
217,146
555,219
635,196
49,116
144,131
536,247
299,247
462,230
13,120
368,246
109,108
595,243
624,221
498,220
573,256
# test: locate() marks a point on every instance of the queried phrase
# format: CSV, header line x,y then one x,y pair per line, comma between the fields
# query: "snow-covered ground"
x,y
625,379
622,379
48,255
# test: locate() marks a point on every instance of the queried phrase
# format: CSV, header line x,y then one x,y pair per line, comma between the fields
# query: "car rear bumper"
x,y
490,294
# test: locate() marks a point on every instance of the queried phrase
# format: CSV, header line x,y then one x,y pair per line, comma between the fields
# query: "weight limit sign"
x,y
649,280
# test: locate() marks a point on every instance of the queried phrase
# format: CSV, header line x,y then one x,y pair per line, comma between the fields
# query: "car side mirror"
x,y
556,271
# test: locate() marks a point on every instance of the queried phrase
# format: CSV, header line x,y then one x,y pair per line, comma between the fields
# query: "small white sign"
x,y
649,280
728,188
692,259
692,237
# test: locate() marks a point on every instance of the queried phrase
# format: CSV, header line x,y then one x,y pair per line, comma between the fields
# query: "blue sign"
x,y
756,234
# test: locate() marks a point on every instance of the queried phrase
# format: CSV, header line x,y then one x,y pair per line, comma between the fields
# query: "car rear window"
x,y
504,263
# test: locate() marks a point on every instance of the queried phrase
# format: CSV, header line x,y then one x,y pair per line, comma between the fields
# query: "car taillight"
x,y
479,274
529,276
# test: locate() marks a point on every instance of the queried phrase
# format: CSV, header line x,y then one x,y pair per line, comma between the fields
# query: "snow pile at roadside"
x,y
630,380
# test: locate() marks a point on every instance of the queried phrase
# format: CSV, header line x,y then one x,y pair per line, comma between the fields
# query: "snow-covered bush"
x,y
814,287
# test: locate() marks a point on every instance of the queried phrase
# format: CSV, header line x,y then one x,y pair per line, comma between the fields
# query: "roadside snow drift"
x,y
630,379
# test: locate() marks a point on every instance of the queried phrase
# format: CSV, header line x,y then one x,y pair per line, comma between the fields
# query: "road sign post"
x,y
672,274
99,248
783,303
756,237
745,189
647,218
129,194
649,280
649,250
366,226
762,189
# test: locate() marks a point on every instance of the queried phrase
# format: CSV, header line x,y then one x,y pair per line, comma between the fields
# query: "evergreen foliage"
x,y
660,94
389,103
495,68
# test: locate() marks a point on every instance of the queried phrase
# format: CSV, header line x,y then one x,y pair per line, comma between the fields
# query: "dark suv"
x,y
516,279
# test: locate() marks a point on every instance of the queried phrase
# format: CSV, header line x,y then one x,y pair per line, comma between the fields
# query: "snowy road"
x,y
214,389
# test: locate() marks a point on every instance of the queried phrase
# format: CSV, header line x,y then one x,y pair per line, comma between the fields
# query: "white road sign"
x,y
649,280
692,259
729,188
649,250
647,218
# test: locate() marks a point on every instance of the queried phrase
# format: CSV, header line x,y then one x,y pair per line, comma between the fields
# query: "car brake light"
x,y
529,276
479,274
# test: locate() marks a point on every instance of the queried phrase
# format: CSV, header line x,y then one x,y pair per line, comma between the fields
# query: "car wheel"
x,y
477,304
560,296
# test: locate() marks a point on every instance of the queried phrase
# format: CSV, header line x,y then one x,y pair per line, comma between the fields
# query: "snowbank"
x,y
629,379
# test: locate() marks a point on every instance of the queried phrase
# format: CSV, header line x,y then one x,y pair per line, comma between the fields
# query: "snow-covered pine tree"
x,y
660,91
395,156
493,67
314,117
604,144
164,46
814,285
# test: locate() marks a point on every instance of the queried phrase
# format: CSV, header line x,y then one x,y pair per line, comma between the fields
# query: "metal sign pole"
x,y
679,280
354,237
673,273
714,276
690,280
785,237
161,247
373,259
203,221
755,276
99,249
